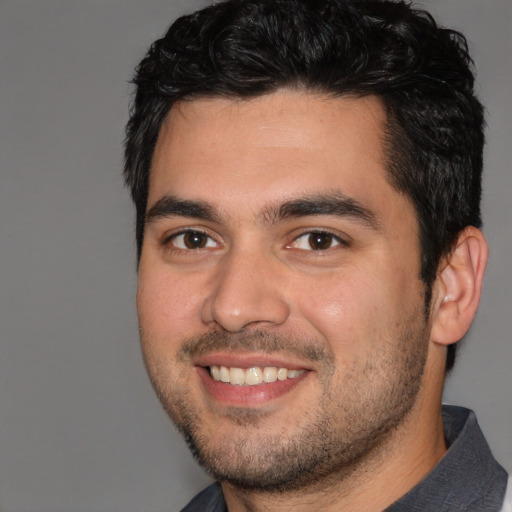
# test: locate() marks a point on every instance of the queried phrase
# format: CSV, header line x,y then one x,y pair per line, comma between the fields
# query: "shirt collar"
x,y
467,478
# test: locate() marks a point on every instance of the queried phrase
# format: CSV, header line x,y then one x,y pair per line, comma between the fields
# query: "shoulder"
x,y
210,499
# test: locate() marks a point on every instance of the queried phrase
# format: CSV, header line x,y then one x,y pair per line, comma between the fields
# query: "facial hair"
x,y
358,409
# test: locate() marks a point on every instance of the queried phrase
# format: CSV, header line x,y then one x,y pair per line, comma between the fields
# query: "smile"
x,y
252,376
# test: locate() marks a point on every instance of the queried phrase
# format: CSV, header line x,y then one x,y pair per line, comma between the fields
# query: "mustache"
x,y
254,341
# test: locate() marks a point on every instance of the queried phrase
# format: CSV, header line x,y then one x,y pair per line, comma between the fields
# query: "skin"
x,y
255,293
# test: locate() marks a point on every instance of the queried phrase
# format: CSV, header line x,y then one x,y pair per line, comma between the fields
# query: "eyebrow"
x,y
171,206
334,203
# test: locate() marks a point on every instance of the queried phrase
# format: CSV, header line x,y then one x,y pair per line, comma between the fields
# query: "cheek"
x,y
353,310
167,307
165,314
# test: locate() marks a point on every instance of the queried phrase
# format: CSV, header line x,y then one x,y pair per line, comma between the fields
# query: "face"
x,y
279,299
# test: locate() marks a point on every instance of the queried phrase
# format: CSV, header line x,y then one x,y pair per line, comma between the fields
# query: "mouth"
x,y
247,381
252,376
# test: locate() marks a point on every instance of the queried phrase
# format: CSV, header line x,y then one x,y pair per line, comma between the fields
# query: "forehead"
x,y
271,148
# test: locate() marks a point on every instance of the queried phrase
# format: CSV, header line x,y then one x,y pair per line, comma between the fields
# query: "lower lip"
x,y
247,396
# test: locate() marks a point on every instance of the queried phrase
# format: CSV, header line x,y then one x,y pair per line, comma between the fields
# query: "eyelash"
x,y
323,233
170,241
172,238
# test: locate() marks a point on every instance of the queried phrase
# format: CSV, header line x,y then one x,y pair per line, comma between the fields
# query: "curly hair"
x,y
422,73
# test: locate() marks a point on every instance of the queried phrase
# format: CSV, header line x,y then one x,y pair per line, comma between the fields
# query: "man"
x,y
307,184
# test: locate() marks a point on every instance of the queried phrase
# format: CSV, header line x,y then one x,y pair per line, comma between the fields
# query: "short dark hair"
x,y
422,73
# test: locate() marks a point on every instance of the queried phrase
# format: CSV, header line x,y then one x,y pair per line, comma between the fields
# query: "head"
x,y
419,71
307,183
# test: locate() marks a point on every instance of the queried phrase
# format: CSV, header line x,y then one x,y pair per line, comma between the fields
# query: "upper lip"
x,y
250,360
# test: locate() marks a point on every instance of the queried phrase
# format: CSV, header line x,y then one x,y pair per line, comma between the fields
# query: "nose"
x,y
246,291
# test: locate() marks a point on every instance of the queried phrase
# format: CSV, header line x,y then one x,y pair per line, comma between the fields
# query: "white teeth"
x,y
215,372
252,376
282,374
269,374
236,376
224,374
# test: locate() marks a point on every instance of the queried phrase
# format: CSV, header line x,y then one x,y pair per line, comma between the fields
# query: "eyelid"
x,y
169,237
341,239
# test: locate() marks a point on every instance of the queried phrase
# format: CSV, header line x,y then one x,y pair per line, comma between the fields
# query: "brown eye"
x,y
190,240
194,240
320,241
316,241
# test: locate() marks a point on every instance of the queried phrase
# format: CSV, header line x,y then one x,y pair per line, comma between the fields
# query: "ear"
x,y
458,287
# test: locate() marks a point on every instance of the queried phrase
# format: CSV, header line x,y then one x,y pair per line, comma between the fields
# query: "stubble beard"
x,y
355,414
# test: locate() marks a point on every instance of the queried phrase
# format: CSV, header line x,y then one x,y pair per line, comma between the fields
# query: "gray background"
x,y
80,428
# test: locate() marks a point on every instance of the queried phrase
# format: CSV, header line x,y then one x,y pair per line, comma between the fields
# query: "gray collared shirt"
x,y
467,479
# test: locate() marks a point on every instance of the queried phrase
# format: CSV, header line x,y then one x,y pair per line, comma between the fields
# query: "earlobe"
x,y
458,287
